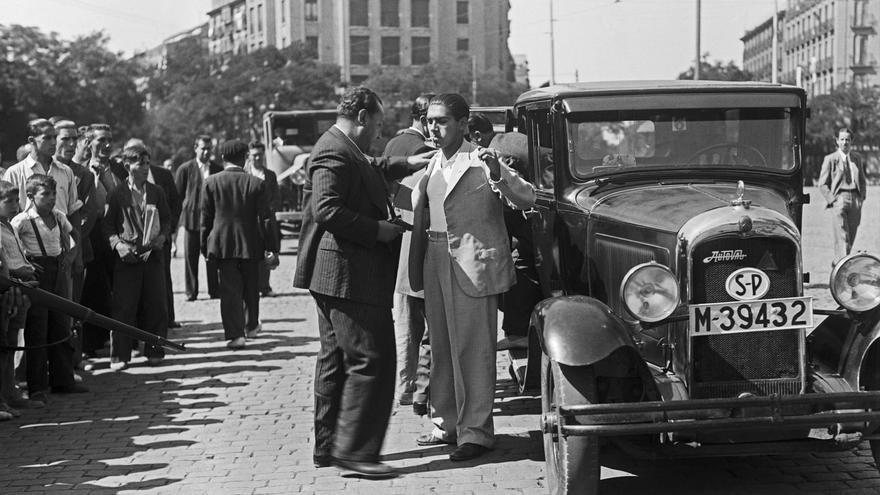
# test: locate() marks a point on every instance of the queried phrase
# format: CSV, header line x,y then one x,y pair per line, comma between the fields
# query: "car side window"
x,y
541,149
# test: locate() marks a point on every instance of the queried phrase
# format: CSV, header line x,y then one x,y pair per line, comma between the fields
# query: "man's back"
x,y
232,215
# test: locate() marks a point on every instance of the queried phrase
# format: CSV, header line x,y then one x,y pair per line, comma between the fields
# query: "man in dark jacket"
x,y
256,166
348,261
237,231
190,180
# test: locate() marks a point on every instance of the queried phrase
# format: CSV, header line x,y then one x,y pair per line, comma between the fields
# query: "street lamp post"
x,y
552,48
697,61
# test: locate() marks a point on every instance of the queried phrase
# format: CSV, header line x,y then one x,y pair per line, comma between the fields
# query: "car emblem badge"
x,y
725,255
747,284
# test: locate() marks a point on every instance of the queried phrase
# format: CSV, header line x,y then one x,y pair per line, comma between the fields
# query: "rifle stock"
x,y
82,313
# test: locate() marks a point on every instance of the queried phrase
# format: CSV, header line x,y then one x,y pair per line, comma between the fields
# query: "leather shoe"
x,y
323,460
76,388
252,334
420,408
174,324
431,439
373,470
190,298
236,344
468,451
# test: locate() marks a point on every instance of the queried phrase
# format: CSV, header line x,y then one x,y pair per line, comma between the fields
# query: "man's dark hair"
x,y
7,189
420,106
38,127
356,99
233,151
456,104
255,144
65,124
478,122
202,138
93,128
134,152
846,130
37,181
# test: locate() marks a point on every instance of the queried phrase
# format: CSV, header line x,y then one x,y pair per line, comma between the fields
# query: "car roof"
x,y
653,86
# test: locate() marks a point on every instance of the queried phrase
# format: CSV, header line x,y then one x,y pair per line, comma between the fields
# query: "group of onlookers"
x,y
97,228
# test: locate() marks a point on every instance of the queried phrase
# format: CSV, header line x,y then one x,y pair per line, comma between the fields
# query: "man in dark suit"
x,y
348,261
843,184
190,179
237,231
256,166
163,178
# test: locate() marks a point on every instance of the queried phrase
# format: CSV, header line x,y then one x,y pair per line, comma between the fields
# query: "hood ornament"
x,y
739,201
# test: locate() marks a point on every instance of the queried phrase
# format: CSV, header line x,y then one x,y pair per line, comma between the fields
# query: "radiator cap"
x,y
740,191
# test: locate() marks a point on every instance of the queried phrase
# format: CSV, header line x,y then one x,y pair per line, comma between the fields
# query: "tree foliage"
x,y
193,95
717,71
42,75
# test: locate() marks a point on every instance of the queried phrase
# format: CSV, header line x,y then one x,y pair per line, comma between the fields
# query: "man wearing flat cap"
x,y
238,231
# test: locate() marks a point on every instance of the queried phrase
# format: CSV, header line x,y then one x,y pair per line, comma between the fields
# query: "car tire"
x,y
572,462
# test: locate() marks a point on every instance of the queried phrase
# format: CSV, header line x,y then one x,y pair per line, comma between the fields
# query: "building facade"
x,y
758,49
360,34
824,43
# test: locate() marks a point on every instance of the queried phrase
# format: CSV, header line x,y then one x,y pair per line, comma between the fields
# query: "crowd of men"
x,y
97,226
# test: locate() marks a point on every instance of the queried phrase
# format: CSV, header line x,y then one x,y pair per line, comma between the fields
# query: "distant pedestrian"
x,y
238,233
190,180
256,166
843,184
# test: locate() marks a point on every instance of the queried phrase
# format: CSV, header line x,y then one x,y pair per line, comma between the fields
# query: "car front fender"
x,y
578,330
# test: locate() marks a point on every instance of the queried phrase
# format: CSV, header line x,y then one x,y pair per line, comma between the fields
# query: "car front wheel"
x,y
572,461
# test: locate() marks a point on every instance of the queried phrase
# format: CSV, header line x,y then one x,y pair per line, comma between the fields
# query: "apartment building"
x,y
824,43
360,34
758,49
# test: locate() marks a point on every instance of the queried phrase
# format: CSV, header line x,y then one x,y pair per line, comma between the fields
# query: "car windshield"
x,y
613,141
299,130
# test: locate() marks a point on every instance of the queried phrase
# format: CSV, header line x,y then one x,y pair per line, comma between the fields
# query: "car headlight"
x,y
855,282
650,292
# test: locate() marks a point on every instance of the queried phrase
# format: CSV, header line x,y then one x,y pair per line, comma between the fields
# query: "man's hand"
x,y
491,158
388,231
23,273
420,161
126,252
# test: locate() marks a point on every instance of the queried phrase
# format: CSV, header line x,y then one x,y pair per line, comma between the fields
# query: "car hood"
x,y
667,207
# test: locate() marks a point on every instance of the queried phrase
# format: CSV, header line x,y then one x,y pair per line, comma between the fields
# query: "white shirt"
x,y
51,237
65,183
438,184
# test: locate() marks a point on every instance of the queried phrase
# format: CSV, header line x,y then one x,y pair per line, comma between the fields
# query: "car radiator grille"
x,y
760,362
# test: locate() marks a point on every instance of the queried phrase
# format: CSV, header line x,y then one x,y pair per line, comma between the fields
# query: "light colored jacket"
x,y
831,177
476,234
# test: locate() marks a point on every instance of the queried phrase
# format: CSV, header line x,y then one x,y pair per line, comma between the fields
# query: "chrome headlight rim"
x,y
840,265
632,273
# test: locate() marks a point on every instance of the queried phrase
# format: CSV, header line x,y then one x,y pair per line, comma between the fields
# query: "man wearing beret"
x,y
238,231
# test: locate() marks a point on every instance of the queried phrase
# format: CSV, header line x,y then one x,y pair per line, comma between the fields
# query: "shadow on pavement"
x,y
98,441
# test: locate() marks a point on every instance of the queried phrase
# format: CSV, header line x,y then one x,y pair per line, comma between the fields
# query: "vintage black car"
x,y
668,247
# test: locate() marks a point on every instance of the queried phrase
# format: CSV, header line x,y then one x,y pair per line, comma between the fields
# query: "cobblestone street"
x,y
217,421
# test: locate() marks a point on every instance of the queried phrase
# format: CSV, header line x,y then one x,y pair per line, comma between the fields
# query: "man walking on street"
x,y
256,166
190,179
237,231
348,261
843,184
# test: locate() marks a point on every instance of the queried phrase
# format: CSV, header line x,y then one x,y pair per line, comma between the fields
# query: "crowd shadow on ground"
x,y
83,441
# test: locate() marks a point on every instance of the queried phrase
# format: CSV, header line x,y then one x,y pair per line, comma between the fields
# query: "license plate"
x,y
750,316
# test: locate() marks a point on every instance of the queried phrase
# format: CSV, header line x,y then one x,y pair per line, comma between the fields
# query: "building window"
x,y
358,13
461,12
283,12
390,13
390,50
312,45
260,18
311,10
252,23
462,44
419,16
360,50
421,50
356,80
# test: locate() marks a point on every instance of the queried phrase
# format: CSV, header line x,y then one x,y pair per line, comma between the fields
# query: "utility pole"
x,y
774,66
473,79
697,62
552,48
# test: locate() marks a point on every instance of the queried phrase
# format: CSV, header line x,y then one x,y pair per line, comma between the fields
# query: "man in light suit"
x,y
348,260
190,179
238,228
843,184
460,255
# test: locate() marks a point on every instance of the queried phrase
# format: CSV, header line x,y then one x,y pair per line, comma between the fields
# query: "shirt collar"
x,y
31,163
